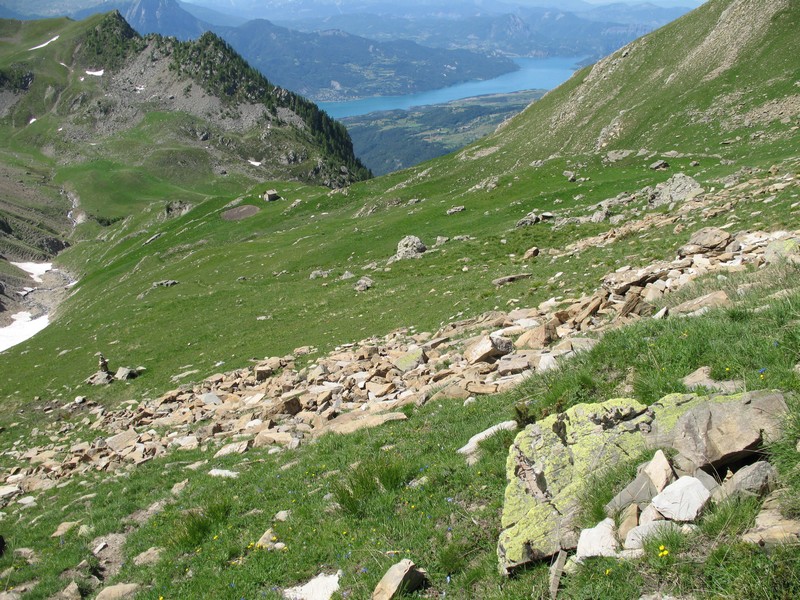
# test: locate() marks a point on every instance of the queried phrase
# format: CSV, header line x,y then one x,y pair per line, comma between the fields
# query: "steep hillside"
x,y
691,85
304,382
263,264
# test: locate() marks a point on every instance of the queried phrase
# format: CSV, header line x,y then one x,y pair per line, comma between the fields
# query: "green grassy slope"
x,y
244,290
232,274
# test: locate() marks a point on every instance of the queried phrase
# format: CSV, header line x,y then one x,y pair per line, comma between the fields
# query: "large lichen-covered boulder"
x,y
546,470
551,461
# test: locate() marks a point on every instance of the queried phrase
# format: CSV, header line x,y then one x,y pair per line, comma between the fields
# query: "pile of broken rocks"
x,y
277,405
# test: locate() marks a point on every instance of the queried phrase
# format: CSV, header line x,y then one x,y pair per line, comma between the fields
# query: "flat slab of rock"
x,y
701,378
123,440
510,279
639,492
683,500
234,448
352,421
771,527
488,347
7,491
718,299
121,591
402,577
64,528
149,557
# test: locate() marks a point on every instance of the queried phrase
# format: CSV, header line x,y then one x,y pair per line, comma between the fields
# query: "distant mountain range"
x,y
396,49
325,65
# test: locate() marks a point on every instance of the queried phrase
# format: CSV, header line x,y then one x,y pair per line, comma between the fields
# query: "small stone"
x,y
71,592
282,516
757,479
363,284
531,253
401,577
682,500
637,535
628,519
234,448
659,471
149,557
470,450
223,473
210,399
267,540
659,165
121,591
65,527
600,540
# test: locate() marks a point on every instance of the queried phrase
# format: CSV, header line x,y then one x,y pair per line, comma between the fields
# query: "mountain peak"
x,y
165,17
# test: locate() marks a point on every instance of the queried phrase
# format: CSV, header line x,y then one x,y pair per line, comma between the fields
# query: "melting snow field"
x,y
35,270
45,44
21,329
25,327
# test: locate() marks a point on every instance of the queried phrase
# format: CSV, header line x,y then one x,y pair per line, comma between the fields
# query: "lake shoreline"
x,y
534,73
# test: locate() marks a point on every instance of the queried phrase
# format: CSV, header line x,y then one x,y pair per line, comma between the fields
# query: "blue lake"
x,y
534,73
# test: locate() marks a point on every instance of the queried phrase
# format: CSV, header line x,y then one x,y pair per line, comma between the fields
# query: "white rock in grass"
x,y
223,473
600,540
322,587
637,535
470,450
682,500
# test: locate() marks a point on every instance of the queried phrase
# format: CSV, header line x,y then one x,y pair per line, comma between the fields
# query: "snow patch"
x,y
99,73
23,328
35,270
254,163
32,121
45,44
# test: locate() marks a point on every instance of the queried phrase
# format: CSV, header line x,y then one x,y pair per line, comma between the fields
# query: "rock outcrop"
x,y
551,462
